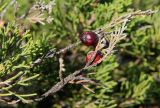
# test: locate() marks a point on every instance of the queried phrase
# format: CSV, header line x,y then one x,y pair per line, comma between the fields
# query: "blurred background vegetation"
x,y
131,75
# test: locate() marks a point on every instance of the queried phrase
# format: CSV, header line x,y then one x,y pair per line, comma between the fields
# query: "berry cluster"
x,y
90,38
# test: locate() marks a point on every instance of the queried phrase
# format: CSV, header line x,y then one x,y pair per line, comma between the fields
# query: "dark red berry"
x,y
89,38
97,57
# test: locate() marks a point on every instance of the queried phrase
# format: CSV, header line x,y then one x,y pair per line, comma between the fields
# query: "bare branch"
x,y
53,53
127,17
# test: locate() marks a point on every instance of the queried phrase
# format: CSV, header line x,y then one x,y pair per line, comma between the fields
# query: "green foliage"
x,y
103,96
18,50
126,78
14,50
15,56
141,51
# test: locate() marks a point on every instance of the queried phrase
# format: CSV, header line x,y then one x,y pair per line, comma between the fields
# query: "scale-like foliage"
x,y
127,78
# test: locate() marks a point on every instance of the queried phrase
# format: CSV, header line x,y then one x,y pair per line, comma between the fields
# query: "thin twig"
x,y
127,16
53,53
61,68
